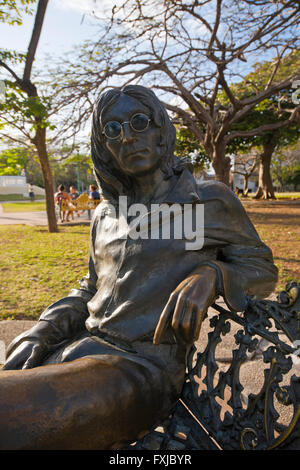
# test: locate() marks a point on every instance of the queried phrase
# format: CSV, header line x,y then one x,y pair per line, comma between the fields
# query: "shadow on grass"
x,y
287,260
271,219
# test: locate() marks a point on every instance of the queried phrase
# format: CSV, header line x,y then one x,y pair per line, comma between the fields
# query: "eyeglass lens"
x,y
139,122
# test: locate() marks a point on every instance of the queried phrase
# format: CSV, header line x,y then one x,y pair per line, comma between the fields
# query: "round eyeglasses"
x,y
138,123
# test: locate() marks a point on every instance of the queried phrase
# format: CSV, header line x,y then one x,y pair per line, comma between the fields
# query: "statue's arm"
x,y
59,322
244,266
243,271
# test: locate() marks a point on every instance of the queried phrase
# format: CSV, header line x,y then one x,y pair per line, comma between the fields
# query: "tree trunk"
x,y
265,188
40,143
221,164
36,32
246,189
39,139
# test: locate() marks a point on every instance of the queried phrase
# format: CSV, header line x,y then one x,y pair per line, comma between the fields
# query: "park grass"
x,y
38,268
289,195
23,206
17,197
278,225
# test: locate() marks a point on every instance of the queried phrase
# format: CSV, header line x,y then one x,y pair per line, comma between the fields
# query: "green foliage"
x,y
33,171
269,111
257,80
12,56
188,146
13,160
285,166
11,11
31,109
21,99
67,171
294,179
73,170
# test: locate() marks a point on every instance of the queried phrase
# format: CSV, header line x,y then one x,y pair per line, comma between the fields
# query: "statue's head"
x,y
132,134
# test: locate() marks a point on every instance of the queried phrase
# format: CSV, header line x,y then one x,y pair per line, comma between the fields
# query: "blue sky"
x,y
65,25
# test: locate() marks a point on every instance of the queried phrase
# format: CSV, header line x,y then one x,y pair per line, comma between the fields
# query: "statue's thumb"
x,y
34,358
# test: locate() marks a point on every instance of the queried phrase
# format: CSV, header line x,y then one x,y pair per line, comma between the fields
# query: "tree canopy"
x,y
188,52
12,11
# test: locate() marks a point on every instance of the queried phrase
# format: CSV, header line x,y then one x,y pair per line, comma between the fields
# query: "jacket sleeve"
x,y
66,317
244,263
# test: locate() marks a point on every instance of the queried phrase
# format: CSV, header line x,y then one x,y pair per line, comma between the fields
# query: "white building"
x,y
238,182
17,185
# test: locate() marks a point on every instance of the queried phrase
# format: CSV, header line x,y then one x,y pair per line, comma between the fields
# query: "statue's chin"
x,y
140,171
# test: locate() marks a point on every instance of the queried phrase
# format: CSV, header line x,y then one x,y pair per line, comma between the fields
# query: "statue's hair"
x,y
111,179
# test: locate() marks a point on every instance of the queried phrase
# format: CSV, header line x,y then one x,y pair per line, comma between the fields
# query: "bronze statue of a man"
x,y
105,364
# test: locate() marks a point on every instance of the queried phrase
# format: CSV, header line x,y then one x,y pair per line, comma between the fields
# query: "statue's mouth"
x,y
137,152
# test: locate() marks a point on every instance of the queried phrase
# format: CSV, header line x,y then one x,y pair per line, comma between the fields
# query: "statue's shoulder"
x,y
215,190
99,213
100,207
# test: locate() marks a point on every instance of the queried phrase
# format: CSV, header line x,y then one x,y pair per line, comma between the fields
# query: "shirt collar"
x,y
184,190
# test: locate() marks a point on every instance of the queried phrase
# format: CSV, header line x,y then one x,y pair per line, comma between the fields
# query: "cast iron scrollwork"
x,y
256,425
250,423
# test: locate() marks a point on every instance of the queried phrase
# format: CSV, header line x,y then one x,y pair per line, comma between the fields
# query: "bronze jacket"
x,y
130,280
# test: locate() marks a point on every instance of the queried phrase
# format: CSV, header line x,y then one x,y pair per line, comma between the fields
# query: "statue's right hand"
x,y
27,355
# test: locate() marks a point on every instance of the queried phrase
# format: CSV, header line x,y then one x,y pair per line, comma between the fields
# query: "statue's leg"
x,y
95,402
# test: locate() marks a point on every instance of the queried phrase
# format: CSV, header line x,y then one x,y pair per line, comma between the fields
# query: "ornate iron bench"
x,y
213,412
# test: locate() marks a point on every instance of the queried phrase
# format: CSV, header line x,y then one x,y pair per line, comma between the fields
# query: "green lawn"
x,y
17,197
23,206
38,268
288,195
295,195
278,226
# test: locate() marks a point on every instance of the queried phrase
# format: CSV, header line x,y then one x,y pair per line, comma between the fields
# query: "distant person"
x,y
93,194
74,194
31,193
60,196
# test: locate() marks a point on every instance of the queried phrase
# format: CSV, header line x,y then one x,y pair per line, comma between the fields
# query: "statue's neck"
x,y
151,186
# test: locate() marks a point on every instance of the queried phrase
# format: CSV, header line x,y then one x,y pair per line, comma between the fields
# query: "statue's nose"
x,y
127,133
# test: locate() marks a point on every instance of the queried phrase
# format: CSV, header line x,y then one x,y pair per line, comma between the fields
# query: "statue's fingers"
x,y
164,319
35,357
17,358
199,315
206,301
13,363
178,314
181,304
186,327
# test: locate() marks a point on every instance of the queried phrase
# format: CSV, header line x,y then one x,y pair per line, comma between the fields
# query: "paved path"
x,y
35,218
